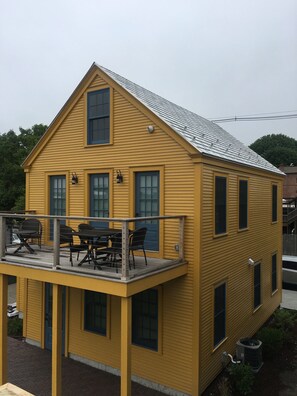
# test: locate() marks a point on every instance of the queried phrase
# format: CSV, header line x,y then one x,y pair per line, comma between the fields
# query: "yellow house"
x,y
115,153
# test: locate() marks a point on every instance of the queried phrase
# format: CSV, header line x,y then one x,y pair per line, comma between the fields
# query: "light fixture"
x,y
74,179
150,129
120,178
251,261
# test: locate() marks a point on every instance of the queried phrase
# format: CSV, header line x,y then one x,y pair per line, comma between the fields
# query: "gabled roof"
x,y
207,137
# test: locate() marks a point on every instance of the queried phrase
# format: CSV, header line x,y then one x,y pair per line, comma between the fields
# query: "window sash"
x,y
99,116
243,204
274,202
219,313
220,205
274,273
145,319
95,312
99,198
257,285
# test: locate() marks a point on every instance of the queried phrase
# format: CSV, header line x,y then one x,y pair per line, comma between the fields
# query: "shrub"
x,y
284,319
272,339
242,378
224,387
15,327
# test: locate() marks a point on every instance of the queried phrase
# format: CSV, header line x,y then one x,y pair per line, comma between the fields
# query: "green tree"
x,y
277,149
14,148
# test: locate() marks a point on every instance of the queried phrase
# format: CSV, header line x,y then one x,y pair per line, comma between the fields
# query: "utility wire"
x,y
267,117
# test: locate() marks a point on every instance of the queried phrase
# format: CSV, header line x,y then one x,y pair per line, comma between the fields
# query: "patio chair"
x,y
66,237
136,242
114,250
33,225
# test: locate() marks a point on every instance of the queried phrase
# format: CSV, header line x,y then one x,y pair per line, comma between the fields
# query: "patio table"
x,y
92,238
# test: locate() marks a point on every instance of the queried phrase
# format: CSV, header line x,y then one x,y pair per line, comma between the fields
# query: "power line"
x,y
268,117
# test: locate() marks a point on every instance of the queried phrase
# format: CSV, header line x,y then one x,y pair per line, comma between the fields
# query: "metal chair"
x,y
35,226
114,250
66,237
136,242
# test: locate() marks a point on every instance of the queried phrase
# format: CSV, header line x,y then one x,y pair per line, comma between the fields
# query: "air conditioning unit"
x,y
249,351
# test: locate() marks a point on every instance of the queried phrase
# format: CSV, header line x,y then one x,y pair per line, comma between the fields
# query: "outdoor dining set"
x,y
101,246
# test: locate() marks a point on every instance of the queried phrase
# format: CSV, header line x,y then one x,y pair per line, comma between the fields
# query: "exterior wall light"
x,y
251,262
150,129
119,177
74,178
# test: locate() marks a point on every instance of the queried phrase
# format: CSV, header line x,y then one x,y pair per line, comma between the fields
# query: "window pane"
x,y
220,205
98,117
99,198
274,202
95,312
145,319
257,285
243,204
219,314
274,273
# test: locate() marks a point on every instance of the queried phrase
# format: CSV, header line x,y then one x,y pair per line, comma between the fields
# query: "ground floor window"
x,y
95,312
219,313
257,285
274,273
145,319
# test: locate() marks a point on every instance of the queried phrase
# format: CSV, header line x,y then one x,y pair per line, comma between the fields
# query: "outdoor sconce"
x,y
120,178
74,179
251,262
150,129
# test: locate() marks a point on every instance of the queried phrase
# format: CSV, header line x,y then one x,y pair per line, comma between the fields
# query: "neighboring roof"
x,y
288,169
207,137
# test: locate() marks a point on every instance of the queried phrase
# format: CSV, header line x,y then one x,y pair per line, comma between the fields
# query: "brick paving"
x,y
29,367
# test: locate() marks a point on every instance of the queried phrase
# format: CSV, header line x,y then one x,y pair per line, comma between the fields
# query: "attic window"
x,y
99,117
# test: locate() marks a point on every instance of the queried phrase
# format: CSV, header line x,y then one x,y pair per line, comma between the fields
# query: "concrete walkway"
x,y
29,367
289,299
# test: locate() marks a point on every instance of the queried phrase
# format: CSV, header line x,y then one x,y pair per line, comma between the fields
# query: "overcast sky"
x,y
214,57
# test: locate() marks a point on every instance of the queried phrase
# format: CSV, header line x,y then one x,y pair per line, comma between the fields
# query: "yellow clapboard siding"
x,y
34,310
225,258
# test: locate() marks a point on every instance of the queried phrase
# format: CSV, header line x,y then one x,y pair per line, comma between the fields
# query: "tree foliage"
x,y
14,148
277,149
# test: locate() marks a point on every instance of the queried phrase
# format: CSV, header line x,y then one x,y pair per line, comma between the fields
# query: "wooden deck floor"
x,y
43,258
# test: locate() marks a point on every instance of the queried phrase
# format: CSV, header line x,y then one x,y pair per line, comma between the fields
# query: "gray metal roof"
x,y
206,136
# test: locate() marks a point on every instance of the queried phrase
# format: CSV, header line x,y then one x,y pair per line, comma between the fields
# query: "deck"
x,y
44,258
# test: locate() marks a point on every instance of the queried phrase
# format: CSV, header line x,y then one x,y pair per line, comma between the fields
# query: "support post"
x,y
126,346
125,251
181,238
56,243
57,341
3,328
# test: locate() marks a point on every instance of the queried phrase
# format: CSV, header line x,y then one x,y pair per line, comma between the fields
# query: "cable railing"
x,y
163,243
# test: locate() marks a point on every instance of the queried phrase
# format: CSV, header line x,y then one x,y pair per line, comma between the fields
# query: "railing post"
x,y
56,243
2,236
181,238
125,251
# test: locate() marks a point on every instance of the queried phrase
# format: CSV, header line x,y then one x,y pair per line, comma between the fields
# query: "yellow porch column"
x,y
57,341
3,328
125,346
